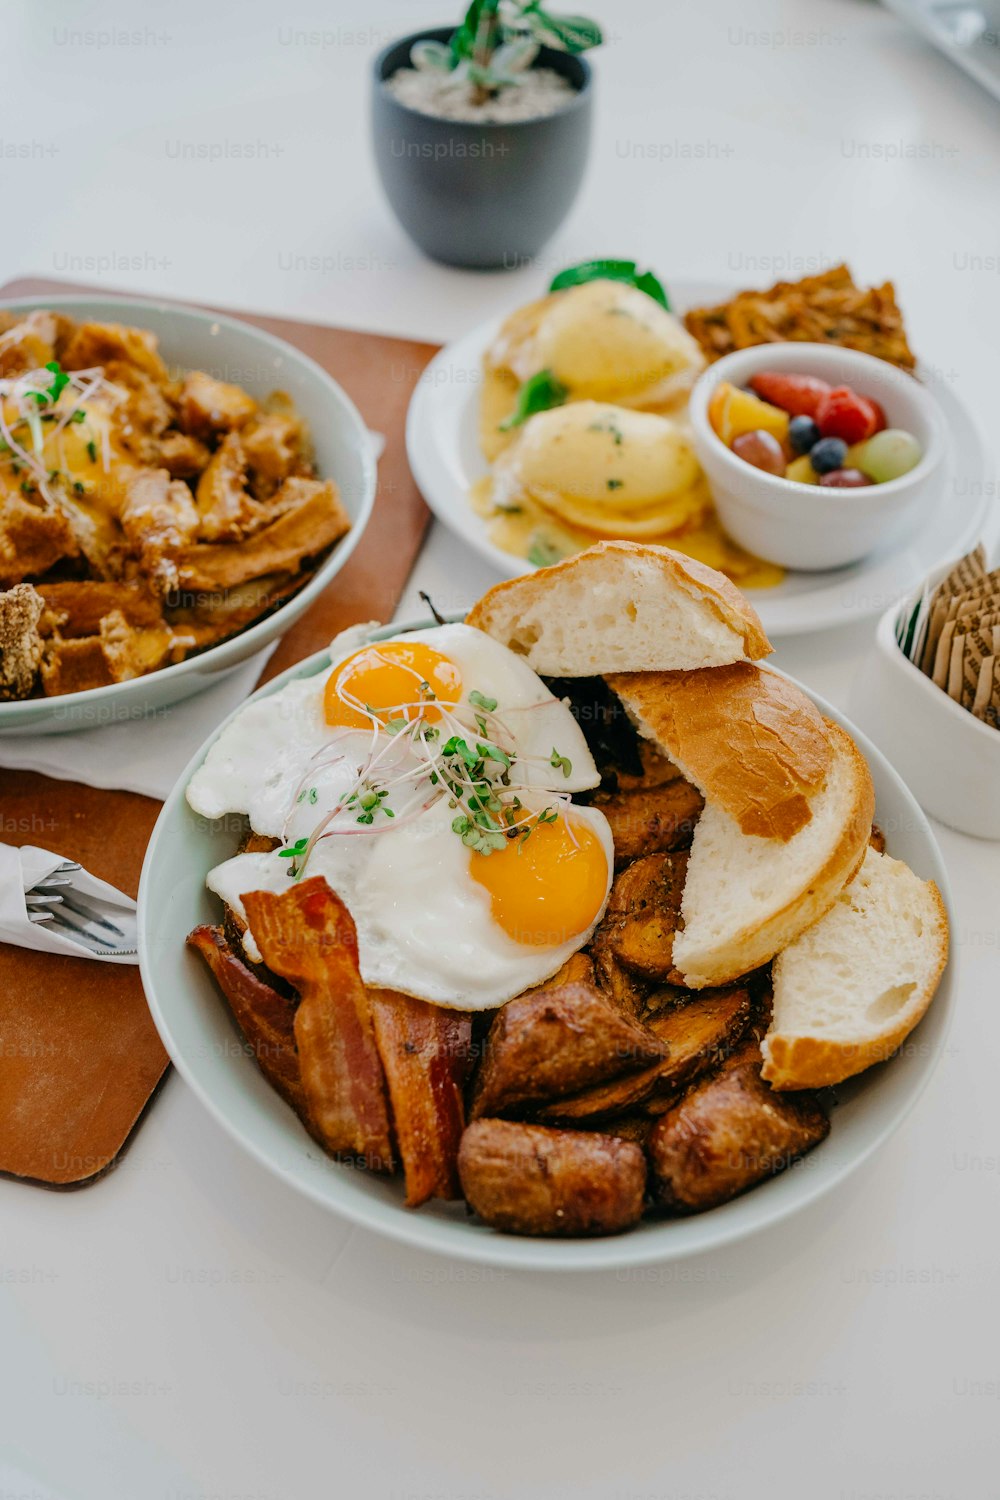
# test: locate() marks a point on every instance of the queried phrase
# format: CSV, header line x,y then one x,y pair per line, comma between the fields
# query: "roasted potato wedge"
x,y
643,914
625,990
698,1035
657,770
729,1133
555,1041
653,819
528,1179
578,969
635,1128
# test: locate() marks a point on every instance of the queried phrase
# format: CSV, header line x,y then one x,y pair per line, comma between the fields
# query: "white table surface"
x,y
189,1329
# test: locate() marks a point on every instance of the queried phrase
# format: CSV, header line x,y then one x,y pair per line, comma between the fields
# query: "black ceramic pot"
x,y
480,195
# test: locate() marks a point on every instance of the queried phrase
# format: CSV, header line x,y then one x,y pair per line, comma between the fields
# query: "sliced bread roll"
x,y
749,740
855,984
746,898
622,607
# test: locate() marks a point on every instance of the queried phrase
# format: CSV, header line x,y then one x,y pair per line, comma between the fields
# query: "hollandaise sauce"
x,y
589,471
528,530
59,443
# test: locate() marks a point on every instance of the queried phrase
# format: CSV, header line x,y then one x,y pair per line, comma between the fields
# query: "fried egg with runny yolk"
x,y
428,779
408,674
546,890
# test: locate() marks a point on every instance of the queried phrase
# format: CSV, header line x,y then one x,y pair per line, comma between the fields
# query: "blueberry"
x,y
828,454
803,434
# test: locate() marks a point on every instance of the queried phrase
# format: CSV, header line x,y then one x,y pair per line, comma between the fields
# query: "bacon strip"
x,y
306,935
265,1018
425,1051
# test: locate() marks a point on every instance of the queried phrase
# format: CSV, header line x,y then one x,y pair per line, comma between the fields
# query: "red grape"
x,y
845,479
760,449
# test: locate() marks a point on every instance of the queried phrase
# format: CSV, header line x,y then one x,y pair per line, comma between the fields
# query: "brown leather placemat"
x,y
79,1055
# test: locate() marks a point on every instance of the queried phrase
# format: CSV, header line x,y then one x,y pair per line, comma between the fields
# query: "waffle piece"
x,y
20,643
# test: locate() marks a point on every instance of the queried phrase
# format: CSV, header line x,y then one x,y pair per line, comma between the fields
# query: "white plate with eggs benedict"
x,y
420,858
613,457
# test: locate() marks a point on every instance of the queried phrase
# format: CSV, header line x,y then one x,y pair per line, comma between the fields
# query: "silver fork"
x,y
56,900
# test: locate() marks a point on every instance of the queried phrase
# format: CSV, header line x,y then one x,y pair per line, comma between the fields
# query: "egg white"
x,y
262,756
424,925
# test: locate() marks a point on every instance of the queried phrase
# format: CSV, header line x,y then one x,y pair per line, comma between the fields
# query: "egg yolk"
x,y
547,888
392,679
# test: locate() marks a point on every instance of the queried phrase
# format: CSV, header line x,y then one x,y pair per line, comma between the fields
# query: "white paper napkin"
x,y
21,870
137,755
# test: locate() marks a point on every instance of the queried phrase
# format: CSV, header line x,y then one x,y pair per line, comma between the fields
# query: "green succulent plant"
x,y
499,40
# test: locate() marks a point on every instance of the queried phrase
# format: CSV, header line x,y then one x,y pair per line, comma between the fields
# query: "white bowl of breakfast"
x,y
176,488
571,915
816,455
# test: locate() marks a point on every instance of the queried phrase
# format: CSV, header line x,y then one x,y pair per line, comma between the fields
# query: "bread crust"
x,y
751,947
749,739
679,572
808,1062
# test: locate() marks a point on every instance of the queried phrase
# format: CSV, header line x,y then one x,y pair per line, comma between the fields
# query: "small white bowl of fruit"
x,y
816,454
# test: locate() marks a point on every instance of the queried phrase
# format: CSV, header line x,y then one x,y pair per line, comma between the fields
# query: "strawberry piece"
x,y
881,420
844,414
799,395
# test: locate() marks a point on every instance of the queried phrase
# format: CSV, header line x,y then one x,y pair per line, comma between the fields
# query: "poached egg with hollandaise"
x,y
606,469
601,341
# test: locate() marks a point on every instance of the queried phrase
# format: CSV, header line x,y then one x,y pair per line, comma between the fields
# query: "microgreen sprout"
x,y
33,417
367,801
416,763
560,762
293,850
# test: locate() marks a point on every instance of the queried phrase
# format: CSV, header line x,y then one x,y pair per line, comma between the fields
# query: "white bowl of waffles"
x,y
177,488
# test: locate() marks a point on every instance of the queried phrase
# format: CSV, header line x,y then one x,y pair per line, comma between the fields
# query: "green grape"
x,y
887,455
